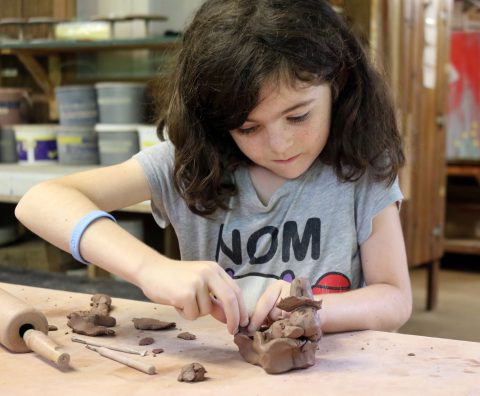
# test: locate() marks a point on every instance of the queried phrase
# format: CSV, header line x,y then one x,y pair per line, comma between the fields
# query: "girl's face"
x,y
288,129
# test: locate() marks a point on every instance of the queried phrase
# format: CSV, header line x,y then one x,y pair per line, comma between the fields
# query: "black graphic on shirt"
x,y
330,282
290,240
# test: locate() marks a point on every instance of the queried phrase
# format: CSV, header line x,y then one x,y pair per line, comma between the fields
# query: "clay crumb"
x,y
52,328
156,351
146,341
193,372
411,354
187,336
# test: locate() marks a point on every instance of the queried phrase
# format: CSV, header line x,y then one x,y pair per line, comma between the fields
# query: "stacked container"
x,y
14,104
121,108
76,136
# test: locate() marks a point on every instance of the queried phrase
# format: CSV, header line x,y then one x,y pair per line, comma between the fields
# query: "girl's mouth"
x,y
288,160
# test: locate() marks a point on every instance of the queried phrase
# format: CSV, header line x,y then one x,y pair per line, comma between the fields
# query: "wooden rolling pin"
x,y
24,329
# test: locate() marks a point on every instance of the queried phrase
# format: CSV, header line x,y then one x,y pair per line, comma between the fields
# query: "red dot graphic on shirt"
x,y
332,282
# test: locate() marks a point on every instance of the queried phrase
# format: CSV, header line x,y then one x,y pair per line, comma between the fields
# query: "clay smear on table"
x,y
193,372
152,324
288,343
96,321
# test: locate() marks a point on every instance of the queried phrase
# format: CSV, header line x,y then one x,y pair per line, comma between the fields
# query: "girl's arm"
x,y
386,301
52,209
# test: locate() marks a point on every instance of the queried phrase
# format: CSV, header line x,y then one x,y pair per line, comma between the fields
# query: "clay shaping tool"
x,y
24,329
112,347
127,360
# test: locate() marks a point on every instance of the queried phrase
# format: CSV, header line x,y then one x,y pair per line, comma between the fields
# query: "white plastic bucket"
x,y
147,135
117,142
36,143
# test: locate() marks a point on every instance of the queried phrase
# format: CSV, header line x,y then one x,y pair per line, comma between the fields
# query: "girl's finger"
x,y
265,304
217,310
204,302
190,309
225,294
244,319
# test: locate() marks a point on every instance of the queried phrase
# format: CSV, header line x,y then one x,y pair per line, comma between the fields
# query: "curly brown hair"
x,y
230,50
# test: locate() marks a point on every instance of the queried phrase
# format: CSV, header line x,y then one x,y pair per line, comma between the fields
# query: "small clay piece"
x,y
156,351
152,324
193,372
52,328
288,343
187,336
146,341
95,321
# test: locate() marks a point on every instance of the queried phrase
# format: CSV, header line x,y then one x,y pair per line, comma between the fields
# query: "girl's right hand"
x,y
195,289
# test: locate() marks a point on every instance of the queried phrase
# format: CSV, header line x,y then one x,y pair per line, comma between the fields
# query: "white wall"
x,y
178,12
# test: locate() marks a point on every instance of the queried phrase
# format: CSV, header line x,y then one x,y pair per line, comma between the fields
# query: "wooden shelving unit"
x,y
464,169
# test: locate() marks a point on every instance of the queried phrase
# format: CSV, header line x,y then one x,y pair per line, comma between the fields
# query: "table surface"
x,y
357,363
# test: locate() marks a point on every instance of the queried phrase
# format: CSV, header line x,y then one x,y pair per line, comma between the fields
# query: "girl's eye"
x,y
246,131
299,118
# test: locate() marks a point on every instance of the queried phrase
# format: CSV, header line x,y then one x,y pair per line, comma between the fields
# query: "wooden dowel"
x,y
127,360
44,346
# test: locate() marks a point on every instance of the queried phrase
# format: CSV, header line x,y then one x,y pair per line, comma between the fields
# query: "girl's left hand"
x,y
266,309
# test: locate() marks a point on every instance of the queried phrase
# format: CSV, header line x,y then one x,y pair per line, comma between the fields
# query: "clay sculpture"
x,y
288,343
96,321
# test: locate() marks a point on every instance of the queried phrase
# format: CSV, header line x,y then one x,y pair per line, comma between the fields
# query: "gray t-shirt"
x,y
312,226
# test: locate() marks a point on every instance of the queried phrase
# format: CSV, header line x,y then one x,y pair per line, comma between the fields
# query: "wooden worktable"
x,y
359,363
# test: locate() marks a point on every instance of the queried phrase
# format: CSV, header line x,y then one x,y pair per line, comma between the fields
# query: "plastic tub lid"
x,y
69,87
75,128
34,127
116,127
119,84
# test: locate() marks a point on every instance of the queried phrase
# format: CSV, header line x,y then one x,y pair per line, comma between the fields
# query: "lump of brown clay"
x,y
193,372
95,321
288,343
52,327
152,324
101,304
87,325
156,351
187,336
146,341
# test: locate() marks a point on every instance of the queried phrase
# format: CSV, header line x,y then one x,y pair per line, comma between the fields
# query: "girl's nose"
x,y
280,140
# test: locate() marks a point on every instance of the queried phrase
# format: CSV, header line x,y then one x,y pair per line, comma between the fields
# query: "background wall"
x,y
178,12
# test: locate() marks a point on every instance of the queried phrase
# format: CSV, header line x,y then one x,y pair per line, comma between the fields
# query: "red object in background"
x,y
463,137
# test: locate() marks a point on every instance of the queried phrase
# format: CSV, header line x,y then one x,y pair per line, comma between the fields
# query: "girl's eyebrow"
x,y
296,106
291,108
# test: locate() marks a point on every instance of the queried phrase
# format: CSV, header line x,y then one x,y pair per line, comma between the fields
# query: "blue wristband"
x,y
80,228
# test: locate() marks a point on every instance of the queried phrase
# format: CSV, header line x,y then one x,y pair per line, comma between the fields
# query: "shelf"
x,y
47,79
57,46
466,169
16,179
462,246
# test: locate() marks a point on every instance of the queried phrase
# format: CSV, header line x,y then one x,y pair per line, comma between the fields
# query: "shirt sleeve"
x,y
157,163
371,198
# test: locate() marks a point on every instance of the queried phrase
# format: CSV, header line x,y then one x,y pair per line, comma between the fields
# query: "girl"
x,y
282,162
